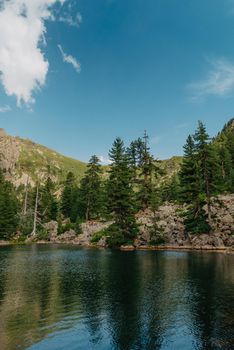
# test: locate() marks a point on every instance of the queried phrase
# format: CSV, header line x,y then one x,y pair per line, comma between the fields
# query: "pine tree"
x,y
171,189
121,195
8,209
90,190
225,160
195,218
189,180
148,172
48,205
208,169
68,199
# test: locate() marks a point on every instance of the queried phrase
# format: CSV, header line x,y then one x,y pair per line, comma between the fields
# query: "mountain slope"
x,y
23,160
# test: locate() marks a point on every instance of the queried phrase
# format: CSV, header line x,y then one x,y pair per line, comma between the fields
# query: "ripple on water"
x,y
54,297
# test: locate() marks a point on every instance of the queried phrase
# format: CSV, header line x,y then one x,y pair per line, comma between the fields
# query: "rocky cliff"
x,y
166,226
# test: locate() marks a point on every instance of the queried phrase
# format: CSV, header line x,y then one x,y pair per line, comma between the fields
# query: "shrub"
x,y
42,234
98,235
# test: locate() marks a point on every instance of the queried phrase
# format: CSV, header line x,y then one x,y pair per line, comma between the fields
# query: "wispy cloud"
x,y
218,82
4,109
74,21
70,59
104,160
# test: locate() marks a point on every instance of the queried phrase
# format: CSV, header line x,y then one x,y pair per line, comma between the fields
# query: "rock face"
x,y
52,229
171,228
167,222
70,236
2,133
223,214
9,154
89,229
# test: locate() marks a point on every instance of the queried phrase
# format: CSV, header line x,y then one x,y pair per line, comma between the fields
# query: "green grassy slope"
x,y
36,159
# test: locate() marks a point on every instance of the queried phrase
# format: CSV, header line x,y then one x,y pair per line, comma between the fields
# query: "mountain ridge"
x,y
24,160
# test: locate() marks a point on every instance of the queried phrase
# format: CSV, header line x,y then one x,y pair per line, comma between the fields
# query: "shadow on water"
x,y
59,297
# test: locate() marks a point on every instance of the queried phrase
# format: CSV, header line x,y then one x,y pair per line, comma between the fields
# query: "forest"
x,y
133,182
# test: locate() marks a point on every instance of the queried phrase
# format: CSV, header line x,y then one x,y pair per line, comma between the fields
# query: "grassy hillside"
x,y
36,159
171,166
22,159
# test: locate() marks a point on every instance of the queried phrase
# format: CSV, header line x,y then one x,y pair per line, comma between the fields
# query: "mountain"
x,y
24,160
224,142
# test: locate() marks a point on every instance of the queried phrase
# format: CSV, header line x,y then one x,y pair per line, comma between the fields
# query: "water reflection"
x,y
54,297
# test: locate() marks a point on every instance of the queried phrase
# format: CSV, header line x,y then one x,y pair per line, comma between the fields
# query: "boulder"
x,y
52,229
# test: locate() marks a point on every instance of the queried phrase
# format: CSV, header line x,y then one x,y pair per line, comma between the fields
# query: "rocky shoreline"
x,y
163,230
127,248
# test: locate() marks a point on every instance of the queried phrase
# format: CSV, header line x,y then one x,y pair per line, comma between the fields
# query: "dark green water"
x,y
64,298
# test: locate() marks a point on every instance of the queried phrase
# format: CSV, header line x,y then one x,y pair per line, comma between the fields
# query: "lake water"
x,y
66,298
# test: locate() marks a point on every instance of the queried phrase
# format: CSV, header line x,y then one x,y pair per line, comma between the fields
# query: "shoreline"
x,y
127,248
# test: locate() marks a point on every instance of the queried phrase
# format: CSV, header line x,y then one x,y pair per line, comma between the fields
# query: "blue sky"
x,y
112,68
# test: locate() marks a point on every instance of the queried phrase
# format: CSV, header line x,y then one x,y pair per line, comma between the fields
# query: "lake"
x,y
68,298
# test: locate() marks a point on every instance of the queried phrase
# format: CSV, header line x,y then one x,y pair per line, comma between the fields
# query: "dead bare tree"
x,y
34,231
26,198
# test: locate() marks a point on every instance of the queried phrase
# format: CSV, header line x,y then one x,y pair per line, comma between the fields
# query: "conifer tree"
x,y
196,218
189,173
8,209
90,190
146,172
121,195
171,189
69,197
208,170
48,206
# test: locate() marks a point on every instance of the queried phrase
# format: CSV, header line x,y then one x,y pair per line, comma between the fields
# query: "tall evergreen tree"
x,y
48,205
121,194
208,169
196,218
8,209
145,171
90,190
189,180
69,197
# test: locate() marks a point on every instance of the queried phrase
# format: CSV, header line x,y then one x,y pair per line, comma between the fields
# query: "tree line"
x,y
133,181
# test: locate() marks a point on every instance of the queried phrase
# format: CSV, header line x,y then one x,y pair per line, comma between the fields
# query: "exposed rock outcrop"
x,y
9,154
52,229
84,239
164,227
170,227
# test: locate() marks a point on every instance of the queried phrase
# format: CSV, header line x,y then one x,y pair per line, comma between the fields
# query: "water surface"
x,y
66,298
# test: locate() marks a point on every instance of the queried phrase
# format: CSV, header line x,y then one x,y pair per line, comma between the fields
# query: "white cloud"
x,y
104,160
219,81
23,67
4,109
74,21
70,59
